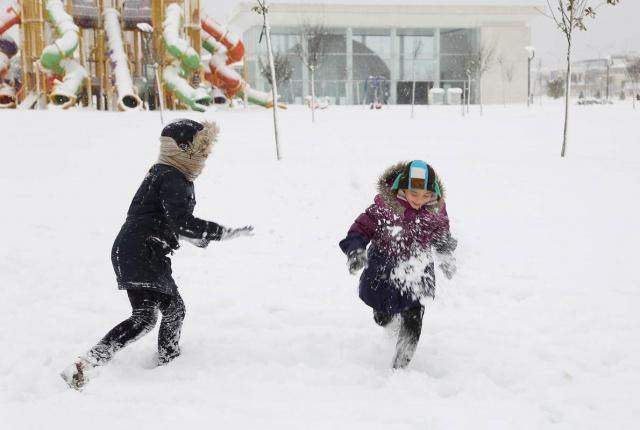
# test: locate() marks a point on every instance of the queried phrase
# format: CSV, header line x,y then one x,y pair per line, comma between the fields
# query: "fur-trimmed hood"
x,y
390,197
189,160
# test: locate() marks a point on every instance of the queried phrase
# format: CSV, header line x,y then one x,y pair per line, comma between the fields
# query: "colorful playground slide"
x,y
226,48
126,96
186,60
59,57
9,16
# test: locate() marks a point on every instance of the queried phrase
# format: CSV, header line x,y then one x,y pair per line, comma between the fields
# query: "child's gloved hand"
x,y
448,265
232,233
357,260
200,243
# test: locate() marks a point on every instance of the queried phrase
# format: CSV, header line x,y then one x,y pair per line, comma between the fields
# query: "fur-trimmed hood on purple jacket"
x,y
398,235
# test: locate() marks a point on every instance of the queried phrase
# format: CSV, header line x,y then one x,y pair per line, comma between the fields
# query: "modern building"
x,y
603,77
598,77
376,48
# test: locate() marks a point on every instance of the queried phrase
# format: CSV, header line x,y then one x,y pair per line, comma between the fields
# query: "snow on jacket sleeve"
x,y
443,242
360,234
174,198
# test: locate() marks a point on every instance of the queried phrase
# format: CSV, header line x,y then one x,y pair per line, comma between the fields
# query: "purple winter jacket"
x,y
400,269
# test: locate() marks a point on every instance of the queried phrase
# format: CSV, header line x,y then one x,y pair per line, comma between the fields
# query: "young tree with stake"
x,y
415,54
477,63
263,10
507,70
633,72
311,50
568,16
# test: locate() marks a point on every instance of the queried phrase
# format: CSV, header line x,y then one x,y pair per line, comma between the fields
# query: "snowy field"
x,y
540,329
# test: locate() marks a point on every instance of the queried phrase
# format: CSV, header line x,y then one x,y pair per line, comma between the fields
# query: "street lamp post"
x,y
532,54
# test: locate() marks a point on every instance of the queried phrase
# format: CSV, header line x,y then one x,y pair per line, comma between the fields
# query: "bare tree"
x,y
476,63
507,70
282,65
555,87
414,54
312,49
633,72
263,10
568,16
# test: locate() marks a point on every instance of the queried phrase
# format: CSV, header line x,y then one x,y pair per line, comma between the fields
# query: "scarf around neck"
x,y
190,161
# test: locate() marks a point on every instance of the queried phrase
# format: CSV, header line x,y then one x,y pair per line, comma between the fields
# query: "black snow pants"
x,y
410,330
145,305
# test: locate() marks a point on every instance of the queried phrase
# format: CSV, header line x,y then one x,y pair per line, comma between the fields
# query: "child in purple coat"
x,y
404,228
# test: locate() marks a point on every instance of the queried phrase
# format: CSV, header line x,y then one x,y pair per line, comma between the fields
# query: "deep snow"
x,y
540,329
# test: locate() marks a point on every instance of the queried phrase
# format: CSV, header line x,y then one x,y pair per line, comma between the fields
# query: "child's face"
x,y
419,198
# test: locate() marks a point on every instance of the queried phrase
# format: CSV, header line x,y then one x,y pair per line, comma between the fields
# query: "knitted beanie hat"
x,y
182,131
417,175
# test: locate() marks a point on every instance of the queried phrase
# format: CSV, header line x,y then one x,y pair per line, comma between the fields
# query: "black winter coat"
x,y
161,212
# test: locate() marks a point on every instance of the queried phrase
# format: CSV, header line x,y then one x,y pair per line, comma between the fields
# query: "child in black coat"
x,y
160,214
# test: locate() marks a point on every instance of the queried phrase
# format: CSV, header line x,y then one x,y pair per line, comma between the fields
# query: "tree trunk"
x,y
504,94
480,93
313,94
274,85
468,93
567,96
463,101
413,91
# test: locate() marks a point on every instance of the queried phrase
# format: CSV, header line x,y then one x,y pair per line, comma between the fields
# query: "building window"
x,y
455,46
458,41
416,56
371,57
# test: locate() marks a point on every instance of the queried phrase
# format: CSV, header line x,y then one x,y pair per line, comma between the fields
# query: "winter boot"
x,y
410,330
79,373
167,358
382,318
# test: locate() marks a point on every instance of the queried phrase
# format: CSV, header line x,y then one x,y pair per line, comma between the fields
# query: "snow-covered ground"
x,y
540,329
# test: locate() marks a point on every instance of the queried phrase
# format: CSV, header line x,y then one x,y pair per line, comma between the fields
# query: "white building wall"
x,y
509,42
504,26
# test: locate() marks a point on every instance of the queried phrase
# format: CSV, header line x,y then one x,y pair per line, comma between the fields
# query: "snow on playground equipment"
x,y
8,49
226,48
59,57
186,61
127,99
101,57
9,16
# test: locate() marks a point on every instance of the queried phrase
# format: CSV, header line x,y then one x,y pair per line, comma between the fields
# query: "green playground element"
x,y
66,45
187,61
59,56
189,58
196,98
257,97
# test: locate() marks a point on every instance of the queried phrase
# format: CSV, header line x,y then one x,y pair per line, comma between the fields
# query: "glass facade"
x,y
364,65
455,45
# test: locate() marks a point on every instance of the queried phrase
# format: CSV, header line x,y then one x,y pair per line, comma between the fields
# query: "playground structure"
x,y
118,55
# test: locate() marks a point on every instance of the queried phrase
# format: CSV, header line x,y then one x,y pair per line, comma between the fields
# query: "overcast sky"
x,y
615,29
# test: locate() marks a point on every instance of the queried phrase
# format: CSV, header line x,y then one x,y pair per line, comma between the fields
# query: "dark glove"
x,y
448,265
232,233
357,260
200,243
445,243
